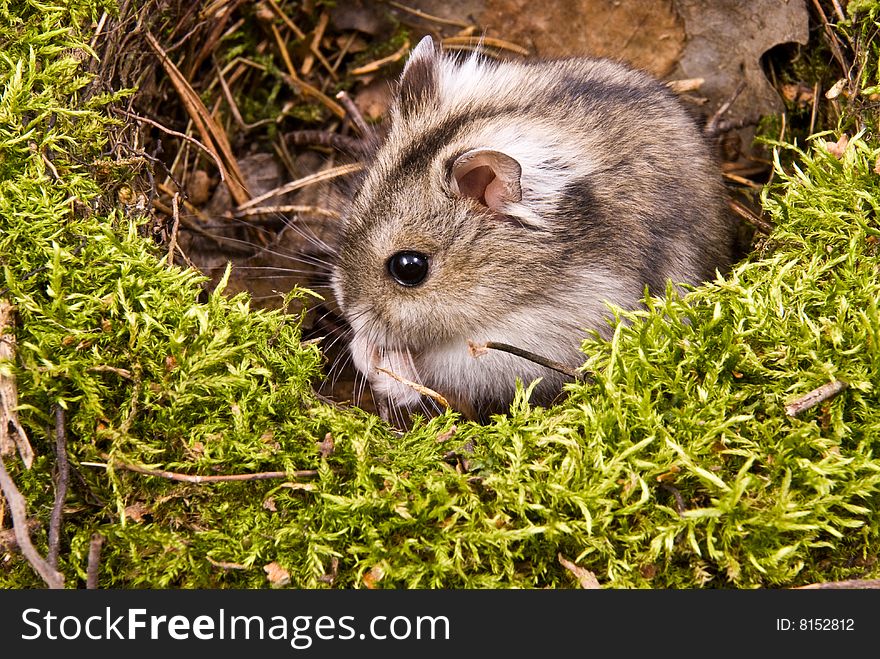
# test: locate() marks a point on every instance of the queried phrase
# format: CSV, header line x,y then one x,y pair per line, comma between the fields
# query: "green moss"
x,y
677,466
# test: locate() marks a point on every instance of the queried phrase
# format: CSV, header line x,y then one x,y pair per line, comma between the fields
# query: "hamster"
x,y
508,202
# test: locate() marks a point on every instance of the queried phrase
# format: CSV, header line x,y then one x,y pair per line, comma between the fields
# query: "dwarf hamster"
x,y
508,202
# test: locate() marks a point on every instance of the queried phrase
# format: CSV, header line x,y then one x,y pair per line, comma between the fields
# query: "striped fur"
x,y
618,191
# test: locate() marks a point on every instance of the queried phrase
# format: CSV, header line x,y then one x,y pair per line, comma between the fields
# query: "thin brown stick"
x,y
18,510
354,114
205,123
94,561
287,21
711,128
8,541
840,585
427,16
483,41
172,243
285,55
98,29
168,131
815,111
833,41
272,210
379,63
344,50
814,397
226,565
230,101
425,391
742,180
195,478
744,212
315,48
61,481
838,10
478,349
293,79
318,177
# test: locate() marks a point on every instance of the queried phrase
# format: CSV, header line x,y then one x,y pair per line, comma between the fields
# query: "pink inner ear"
x,y
490,177
475,183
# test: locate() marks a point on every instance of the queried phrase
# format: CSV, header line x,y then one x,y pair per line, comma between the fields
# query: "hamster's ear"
x,y
490,177
418,82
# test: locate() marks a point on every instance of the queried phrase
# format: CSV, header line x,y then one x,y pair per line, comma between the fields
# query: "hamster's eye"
x,y
408,268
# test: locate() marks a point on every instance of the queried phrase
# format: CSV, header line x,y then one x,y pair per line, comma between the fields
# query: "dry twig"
x,y
585,578
833,41
483,41
318,177
815,397
427,16
744,212
208,128
379,63
9,396
195,478
61,480
354,114
425,391
175,227
277,210
94,561
712,126
18,510
841,585
8,541
479,349
293,79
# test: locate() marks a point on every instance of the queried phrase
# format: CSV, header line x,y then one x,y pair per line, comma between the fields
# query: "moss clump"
x,y
676,467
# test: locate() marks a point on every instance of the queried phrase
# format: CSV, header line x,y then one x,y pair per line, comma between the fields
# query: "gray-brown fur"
x,y
615,189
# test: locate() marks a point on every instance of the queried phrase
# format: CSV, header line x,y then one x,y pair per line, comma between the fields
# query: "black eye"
x,y
408,268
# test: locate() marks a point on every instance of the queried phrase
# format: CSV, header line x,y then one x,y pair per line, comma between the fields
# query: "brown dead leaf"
x,y
136,512
446,435
198,187
277,575
585,578
725,42
836,89
327,447
669,475
797,93
374,576
838,148
477,349
330,577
